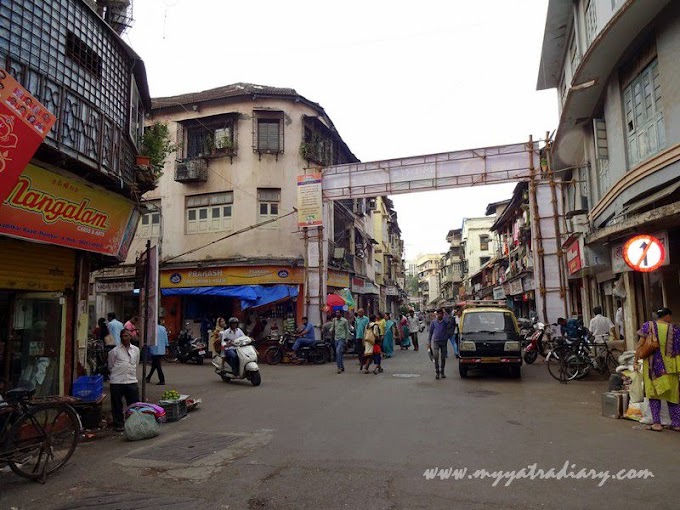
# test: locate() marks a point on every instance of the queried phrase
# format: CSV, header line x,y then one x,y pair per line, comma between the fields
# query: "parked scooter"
x,y
536,344
319,353
247,363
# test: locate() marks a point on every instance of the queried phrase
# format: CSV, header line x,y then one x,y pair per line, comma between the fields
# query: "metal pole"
x,y
307,296
321,266
145,316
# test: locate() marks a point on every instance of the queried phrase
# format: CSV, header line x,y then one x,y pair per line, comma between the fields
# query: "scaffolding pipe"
x,y
306,278
321,268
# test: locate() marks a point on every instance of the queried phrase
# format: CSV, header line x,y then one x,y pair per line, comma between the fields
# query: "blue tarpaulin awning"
x,y
250,295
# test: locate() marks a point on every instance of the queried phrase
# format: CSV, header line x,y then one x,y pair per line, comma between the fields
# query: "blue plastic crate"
x,y
88,387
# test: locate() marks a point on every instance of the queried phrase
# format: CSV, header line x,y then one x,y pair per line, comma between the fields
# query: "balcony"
x,y
93,135
191,170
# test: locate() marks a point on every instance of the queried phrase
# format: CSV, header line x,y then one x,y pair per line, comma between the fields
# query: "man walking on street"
x,y
413,326
123,361
157,352
360,325
438,340
340,335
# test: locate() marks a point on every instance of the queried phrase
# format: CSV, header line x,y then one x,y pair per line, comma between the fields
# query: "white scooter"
x,y
247,363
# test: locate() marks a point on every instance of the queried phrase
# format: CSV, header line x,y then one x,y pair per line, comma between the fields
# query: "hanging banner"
x,y
574,259
67,211
337,279
309,202
24,123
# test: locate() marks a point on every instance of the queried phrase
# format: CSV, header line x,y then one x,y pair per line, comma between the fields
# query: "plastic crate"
x,y
88,387
174,409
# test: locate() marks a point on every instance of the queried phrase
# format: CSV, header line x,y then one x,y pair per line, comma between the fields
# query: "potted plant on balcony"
x,y
156,146
224,145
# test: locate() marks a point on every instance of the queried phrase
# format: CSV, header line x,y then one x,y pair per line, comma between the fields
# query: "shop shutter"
x,y
35,267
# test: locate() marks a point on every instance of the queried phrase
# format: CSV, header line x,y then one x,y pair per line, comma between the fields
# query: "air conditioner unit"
x,y
192,170
339,253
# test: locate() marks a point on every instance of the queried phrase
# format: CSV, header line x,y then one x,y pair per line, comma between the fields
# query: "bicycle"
x,y
596,356
561,348
37,437
97,358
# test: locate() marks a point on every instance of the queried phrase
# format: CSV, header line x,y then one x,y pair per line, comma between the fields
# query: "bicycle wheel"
x,y
171,354
577,366
556,368
43,439
613,360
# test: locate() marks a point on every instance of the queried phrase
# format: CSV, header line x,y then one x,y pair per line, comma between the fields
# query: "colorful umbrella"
x,y
334,300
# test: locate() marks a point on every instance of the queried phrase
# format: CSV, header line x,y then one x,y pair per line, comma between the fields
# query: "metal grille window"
x,y
268,132
590,18
645,130
80,70
268,202
209,213
150,222
209,136
484,243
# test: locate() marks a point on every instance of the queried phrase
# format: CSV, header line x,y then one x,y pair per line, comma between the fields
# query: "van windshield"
x,y
488,322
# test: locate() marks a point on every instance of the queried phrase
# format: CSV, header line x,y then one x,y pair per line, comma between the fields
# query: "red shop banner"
x,y
24,123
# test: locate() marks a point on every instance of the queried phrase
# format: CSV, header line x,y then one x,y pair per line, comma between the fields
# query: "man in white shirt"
x,y
618,319
413,326
601,326
228,350
123,361
115,327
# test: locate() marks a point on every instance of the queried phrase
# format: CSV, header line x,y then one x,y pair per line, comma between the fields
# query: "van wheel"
x,y
516,372
463,371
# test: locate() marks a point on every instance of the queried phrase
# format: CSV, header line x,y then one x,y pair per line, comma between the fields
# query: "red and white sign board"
x,y
644,253
24,123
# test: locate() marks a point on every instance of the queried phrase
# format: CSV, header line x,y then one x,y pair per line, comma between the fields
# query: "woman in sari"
x,y
405,334
390,334
215,338
661,370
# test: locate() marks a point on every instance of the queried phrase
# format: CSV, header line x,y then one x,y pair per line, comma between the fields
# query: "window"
x,y
150,222
484,243
209,213
484,260
644,116
79,52
574,55
268,202
206,138
268,132
590,17
136,115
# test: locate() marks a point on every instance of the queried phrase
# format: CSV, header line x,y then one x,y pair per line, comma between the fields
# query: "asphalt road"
x,y
310,438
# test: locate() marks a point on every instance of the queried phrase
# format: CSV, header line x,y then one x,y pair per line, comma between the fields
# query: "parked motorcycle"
x,y
247,363
187,349
318,354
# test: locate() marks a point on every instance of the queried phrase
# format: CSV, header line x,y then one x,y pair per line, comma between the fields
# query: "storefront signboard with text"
x,y
67,211
574,259
338,279
24,123
230,275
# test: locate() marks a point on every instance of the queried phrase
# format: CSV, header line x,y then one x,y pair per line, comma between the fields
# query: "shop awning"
x,y
250,295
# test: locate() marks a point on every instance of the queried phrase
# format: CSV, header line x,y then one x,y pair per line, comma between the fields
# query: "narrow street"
x,y
310,438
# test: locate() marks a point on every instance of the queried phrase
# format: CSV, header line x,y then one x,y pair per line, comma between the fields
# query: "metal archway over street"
x,y
459,169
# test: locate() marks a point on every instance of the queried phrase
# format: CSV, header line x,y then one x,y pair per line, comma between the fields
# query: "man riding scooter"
x,y
228,336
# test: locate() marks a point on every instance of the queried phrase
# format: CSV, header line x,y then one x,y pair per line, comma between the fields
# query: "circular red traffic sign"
x,y
644,253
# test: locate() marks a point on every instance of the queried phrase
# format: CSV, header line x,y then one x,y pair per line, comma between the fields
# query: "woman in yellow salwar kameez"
x,y
661,370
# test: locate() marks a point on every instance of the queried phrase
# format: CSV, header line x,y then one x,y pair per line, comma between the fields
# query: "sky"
x,y
396,78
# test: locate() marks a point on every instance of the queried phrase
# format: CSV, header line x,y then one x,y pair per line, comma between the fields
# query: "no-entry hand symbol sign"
x,y
644,253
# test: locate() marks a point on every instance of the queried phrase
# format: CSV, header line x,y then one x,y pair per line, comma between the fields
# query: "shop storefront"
x,y
48,223
252,293
367,294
